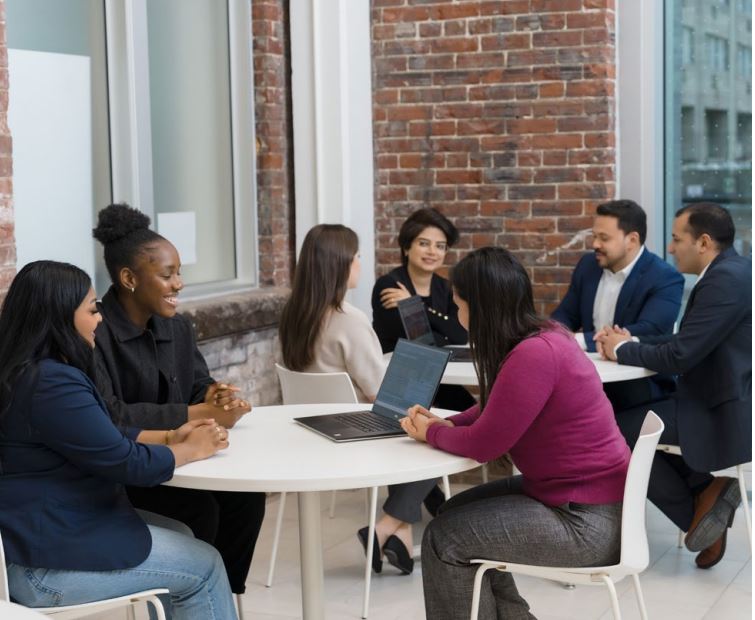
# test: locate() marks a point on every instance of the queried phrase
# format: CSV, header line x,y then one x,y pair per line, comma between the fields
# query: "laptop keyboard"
x,y
368,422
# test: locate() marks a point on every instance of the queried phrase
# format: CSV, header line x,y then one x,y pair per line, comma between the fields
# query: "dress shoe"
x,y
398,555
434,500
712,555
377,563
714,512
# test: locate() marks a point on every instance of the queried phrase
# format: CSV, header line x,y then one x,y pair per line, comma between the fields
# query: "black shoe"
x,y
434,501
377,563
398,555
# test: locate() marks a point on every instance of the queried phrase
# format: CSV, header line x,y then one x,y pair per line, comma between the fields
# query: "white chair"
x,y
69,612
634,542
301,388
671,449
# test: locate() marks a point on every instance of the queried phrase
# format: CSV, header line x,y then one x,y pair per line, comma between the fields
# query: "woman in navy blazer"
x,y
70,534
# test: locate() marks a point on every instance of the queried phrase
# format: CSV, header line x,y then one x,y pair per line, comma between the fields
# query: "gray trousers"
x,y
405,500
497,521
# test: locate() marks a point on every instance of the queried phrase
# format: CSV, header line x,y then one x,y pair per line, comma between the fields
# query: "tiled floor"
x,y
672,585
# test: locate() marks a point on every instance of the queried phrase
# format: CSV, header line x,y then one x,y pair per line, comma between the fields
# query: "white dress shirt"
x,y
609,287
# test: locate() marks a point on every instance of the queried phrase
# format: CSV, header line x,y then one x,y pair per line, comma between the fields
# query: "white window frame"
x,y
130,128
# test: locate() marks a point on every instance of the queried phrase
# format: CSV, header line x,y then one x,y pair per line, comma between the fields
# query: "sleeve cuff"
x,y
622,343
580,338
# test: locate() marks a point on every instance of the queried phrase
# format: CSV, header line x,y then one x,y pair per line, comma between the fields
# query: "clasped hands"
x,y
222,404
607,338
418,420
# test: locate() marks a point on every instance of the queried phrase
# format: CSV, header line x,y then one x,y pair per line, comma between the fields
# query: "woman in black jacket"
x,y
151,374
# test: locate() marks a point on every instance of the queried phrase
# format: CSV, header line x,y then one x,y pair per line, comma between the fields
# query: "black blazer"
x,y
712,354
63,465
440,308
148,378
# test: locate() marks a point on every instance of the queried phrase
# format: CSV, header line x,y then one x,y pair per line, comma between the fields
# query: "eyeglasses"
x,y
441,246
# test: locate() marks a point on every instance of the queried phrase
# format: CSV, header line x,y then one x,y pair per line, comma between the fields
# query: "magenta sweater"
x,y
547,408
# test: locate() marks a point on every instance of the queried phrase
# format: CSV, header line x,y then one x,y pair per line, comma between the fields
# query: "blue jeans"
x,y
191,569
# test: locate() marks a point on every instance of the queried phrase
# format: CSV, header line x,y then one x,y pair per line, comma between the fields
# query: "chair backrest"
x,y
301,388
634,539
4,593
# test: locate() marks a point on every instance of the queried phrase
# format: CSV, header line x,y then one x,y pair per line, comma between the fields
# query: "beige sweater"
x,y
347,343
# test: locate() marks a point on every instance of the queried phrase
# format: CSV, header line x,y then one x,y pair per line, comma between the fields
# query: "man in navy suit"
x,y
710,416
622,284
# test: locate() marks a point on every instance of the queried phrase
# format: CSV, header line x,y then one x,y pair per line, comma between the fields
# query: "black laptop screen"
x,y
412,378
414,319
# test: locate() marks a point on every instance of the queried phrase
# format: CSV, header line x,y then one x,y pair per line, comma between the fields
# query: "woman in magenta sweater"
x,y
542,401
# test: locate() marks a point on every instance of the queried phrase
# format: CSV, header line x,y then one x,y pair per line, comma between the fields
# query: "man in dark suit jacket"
x,y
623,284
710,416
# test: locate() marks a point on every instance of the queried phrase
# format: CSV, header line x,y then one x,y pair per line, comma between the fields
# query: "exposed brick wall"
x,y
501,114
7,239
273,126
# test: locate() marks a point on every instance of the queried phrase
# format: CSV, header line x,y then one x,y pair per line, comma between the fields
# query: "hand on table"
x,y
220,404
197,440
390,297
418,420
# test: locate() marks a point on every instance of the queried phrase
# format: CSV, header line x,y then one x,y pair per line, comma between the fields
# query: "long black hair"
x,y
36,322
501,309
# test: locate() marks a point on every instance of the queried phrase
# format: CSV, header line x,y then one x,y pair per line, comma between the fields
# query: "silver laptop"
x,y
412,378
417,327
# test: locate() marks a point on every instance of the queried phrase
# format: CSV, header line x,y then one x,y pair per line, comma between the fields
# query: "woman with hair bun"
x,y
151,374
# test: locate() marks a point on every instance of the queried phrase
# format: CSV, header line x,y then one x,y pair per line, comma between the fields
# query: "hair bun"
x,y
117,221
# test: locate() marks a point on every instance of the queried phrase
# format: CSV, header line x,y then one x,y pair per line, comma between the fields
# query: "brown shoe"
x,y
712,555
714,511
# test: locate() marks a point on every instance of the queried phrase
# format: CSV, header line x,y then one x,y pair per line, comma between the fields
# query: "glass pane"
x,y
191,128
58,115
708,103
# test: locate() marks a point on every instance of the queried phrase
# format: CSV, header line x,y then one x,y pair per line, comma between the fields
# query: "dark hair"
x,y
710,218
36,322
125,234
417,222
320,281
630,215
501,309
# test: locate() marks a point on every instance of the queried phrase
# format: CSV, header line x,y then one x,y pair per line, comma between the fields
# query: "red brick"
x,y
552,38
554,89
532,125
457,176
533,224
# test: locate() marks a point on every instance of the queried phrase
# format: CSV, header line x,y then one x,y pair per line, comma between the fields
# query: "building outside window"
x,y
147,102
708,110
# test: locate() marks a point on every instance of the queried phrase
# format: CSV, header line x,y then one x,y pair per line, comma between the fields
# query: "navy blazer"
x,y
648,303
62,469
712,354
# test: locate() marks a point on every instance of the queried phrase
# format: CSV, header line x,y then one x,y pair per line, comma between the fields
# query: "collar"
x,y
123,328
624,273
727,253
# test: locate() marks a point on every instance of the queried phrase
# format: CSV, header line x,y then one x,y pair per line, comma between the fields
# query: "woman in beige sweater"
x,y
321,332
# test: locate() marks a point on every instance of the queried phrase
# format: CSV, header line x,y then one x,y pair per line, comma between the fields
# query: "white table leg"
x,y
310,550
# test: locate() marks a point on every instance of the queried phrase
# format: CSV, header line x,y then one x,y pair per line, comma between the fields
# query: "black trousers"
x,y
673,484
228,521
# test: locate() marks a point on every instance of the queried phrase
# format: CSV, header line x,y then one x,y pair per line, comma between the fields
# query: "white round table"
x,y
463,373
270,452
11,611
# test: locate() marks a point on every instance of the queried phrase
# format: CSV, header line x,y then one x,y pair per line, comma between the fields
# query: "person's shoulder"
x,y
587,265
388,280
351,314
53,373
655,264
545,343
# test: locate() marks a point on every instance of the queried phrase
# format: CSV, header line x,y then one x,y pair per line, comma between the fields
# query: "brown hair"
x,y
320,281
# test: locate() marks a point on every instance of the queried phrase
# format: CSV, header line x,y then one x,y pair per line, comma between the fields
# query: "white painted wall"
x,y
332,117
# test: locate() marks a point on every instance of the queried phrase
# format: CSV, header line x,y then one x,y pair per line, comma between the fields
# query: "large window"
x,y
708,109
147,102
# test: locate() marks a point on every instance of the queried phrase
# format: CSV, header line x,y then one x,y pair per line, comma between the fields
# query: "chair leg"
x,y
745,502
276,539
130,612
476,591
484,473
680,539
640,599
446,488
332,511
612,594
157,605
370,545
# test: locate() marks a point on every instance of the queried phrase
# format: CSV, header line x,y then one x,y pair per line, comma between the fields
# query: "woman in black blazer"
x,y
69,532
151,374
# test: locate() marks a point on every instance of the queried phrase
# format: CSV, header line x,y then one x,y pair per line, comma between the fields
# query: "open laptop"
x,y
412,378
417,327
